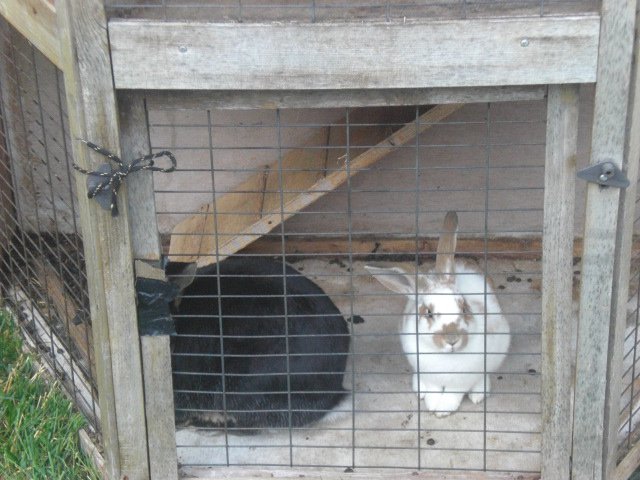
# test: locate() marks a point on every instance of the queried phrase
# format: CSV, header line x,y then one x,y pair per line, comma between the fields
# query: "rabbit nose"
x,y
452,340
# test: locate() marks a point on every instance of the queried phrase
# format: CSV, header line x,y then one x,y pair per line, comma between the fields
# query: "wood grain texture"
x,y
134,139
334,56
624,247
628,464
91,106
156,360
15,151
257,99
557,273
155,351
256,474
602,250
200,239
36,20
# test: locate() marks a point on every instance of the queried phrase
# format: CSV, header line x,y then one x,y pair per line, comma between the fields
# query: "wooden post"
x,y
598,333
156,354
624,240
91,106
557,272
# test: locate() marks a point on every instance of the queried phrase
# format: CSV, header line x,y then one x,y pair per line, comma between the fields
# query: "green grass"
x,y
38,425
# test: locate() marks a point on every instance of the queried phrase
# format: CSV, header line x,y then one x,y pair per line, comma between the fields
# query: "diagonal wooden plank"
x,y
194,239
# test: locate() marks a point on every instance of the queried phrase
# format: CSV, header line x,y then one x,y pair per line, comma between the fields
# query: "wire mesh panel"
x,y
315,233
42,273
340,10
629,403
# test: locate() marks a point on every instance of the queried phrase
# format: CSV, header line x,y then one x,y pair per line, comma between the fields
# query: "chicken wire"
x,y
389,214
42,273
329,10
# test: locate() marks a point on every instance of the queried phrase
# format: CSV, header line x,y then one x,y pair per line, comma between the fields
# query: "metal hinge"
x,y
605,174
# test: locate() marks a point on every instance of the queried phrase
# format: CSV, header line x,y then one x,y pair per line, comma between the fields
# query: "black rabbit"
x,y
276,373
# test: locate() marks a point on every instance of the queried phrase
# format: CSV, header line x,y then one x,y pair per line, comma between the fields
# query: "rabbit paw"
x,y
443,404
422,391
480,391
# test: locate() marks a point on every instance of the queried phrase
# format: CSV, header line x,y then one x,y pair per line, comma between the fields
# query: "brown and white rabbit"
x,y
460,339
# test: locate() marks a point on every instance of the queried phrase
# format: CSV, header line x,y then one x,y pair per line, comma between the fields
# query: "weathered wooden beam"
x,y
622,269
37,21
156,353
513,51
600,329
269,99
557,273
92,111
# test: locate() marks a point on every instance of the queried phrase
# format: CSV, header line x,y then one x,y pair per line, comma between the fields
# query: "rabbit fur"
x,y
262,389
444,327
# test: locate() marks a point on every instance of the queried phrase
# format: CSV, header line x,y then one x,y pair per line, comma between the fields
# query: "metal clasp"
x,y
605,174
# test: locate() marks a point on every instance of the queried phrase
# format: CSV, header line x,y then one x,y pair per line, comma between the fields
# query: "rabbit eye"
x,y
426,312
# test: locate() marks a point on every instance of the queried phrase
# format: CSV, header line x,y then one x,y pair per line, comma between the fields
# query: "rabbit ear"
x,y
447,246
395,279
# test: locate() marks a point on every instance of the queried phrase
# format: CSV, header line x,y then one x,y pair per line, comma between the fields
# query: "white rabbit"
x,y
458,340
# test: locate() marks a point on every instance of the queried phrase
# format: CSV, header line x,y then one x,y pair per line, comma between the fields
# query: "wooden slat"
x,y
15,145
628,465
257,99
37,21
257,474
557,273
92,112
513,51
156,354
624,244
210,252
602,249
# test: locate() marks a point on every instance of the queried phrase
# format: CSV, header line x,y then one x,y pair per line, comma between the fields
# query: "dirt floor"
x,y
390,428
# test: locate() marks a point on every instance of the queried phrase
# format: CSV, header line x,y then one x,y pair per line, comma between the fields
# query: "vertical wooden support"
x,y
14,134
91,106
624,241
557,272
156,354
598,335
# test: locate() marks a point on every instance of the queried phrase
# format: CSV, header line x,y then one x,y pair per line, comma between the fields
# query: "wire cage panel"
x,y
43,278
629,407
484,161
341,11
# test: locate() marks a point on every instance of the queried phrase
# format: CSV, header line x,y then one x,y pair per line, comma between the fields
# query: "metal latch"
x,y
606,174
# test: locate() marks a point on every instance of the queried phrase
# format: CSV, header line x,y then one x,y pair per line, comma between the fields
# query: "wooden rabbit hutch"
x,y
331,136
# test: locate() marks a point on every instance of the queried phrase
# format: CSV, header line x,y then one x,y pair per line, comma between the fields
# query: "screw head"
x,y
182,49
603,177
524,42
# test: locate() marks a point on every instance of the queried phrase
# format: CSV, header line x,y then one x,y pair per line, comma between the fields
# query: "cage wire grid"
x,y
42,274
339,10
630,401
381,424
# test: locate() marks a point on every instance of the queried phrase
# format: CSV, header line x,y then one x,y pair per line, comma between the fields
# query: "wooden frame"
x,y
222,68
557,272
598,365
107,240
515,51
257,99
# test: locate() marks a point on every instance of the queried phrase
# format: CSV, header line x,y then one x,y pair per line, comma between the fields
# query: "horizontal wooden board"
x,y
460,53
269,99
